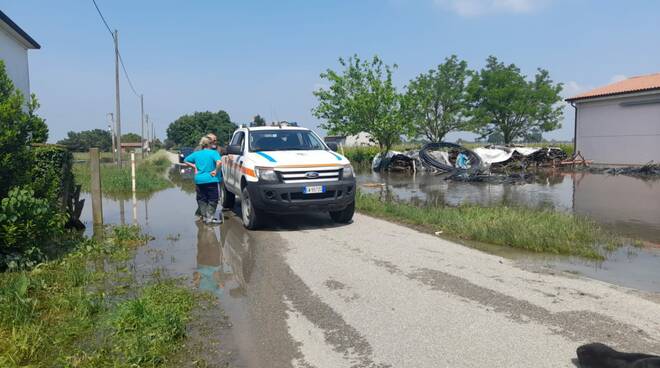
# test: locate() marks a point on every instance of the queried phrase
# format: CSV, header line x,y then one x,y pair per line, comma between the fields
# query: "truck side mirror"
x,y
333,146
234,149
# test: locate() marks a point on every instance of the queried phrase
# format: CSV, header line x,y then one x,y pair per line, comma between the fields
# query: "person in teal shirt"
x,y
206,163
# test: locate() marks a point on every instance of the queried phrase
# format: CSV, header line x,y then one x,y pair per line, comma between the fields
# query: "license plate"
x,y
314,189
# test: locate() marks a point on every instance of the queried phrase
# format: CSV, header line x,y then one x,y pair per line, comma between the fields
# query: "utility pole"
x,y
142,124
148,131
117,103
111,128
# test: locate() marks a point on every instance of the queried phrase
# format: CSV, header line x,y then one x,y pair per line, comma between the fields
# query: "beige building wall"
x,y
620,130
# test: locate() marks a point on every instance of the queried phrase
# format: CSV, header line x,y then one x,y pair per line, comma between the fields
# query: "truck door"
x,y
234,170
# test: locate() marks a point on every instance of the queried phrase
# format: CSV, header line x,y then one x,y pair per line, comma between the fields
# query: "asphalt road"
x,y
308,293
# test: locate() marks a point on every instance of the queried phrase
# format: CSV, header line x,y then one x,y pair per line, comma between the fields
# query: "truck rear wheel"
x,y
344,216
251,216
228,198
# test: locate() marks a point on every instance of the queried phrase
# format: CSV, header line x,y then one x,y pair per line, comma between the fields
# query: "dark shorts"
x,y
208,192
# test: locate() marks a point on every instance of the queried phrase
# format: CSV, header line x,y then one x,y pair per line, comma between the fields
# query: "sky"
x,y
264,57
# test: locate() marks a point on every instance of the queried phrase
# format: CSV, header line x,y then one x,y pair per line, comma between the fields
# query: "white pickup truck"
x,y
286,169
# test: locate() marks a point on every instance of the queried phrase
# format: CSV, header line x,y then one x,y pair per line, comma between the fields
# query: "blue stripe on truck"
x,y
267,156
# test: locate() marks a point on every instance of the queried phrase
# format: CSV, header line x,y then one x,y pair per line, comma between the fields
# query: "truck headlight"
x,y
266,174
348,171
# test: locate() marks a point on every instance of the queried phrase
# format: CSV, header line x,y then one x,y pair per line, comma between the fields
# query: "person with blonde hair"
x,y
206,163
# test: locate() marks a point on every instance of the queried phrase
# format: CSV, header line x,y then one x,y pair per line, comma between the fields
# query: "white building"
x,y
14,46
619,124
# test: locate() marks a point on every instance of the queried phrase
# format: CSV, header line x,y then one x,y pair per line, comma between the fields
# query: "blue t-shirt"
x,y
205,161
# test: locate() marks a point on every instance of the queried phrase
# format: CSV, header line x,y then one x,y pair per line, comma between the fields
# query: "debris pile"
x,y
648,170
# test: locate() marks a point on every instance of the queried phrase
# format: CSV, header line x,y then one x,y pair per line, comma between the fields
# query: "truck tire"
x,y
251,216
228,198
344,216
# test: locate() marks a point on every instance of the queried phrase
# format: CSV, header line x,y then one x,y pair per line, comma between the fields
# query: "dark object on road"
x,y
184,152
597,355
435,163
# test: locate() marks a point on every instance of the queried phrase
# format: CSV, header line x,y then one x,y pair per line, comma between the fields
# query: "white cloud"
x,y
617,78
474,8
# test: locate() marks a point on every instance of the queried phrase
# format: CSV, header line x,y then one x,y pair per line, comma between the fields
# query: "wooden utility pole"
x,y
95,183
117,103
142,124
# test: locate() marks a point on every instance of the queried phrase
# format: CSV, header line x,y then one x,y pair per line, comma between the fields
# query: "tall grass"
x,y
149,175
537,230
83,311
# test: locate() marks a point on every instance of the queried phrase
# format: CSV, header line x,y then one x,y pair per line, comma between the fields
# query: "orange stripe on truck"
x,y
307,165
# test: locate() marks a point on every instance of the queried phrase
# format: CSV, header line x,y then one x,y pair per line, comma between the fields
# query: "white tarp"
x,y
494,155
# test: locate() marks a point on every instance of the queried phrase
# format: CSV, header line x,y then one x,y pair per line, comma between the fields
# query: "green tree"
x,y
362,98
436,102
258,121
188,129
502,100
83,141
130,138
19,127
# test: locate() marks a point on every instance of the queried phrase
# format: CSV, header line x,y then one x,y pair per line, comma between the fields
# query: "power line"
x,y
121,60
103,19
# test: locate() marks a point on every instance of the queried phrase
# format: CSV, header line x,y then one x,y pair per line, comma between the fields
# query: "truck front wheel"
x,y
251,216
344,216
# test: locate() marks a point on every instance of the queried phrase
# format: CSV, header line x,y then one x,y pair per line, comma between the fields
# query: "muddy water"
x,y
628,205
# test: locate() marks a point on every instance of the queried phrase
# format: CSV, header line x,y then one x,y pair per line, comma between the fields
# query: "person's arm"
x,y
190,161
218,164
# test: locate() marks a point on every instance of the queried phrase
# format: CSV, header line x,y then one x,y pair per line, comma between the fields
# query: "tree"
x,y
188,129
83,141
362,98
19,127
130,138
258,121
502,100
436,102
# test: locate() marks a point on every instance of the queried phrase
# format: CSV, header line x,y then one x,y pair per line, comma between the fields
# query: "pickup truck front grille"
x,y
310,176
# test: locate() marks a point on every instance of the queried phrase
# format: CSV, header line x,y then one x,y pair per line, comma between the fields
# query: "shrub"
x,y
27,225
51,174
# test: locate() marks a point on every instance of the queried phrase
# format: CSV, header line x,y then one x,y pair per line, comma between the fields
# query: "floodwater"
x,y
627,205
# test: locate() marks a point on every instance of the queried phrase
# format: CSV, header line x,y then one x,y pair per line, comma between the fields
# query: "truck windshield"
x,y
284,140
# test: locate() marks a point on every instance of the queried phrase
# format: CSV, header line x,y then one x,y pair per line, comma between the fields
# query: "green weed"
x,y
532,229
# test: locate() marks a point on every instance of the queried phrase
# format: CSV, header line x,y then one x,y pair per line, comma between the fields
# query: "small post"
x,y
95,171
133,187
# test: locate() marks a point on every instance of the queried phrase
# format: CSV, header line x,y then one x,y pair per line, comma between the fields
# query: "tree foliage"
x,y
19,127
362,97
188,129
130,138
502,100
83,141
258,121
436,102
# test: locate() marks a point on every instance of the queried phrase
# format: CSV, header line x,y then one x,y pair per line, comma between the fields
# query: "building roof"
x,y
18,32
633,84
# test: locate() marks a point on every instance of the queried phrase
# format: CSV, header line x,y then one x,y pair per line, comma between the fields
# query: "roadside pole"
x,y
95,171
133,187
142,125
117,103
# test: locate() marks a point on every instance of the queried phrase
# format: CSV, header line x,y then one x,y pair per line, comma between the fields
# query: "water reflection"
x,y
629,205
225,259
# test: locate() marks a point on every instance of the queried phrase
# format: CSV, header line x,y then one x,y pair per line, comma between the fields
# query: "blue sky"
x,y
249,57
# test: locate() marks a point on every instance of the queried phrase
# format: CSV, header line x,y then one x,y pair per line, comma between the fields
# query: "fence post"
x,y
95,172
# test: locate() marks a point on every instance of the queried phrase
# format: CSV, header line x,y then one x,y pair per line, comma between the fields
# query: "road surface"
x,y
308,293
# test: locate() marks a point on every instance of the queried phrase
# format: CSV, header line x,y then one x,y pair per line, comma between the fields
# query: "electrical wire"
x,y
121,60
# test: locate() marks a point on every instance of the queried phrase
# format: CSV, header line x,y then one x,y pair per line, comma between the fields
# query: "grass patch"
x,y
149,175
536,230
88,310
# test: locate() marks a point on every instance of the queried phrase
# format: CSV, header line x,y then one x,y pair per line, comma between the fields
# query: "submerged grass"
x,y
87,310
537,230
149,175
